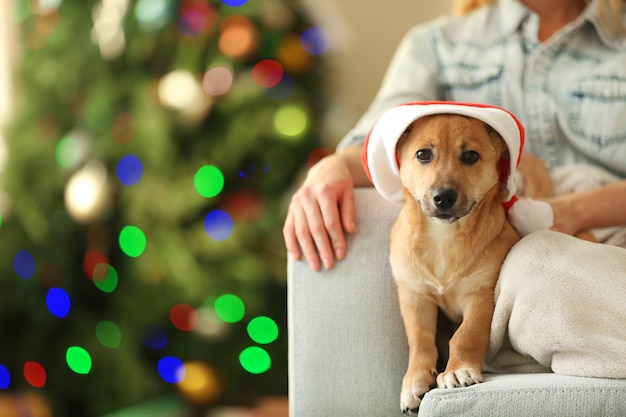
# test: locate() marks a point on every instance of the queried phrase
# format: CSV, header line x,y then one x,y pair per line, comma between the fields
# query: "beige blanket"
x,y
561,301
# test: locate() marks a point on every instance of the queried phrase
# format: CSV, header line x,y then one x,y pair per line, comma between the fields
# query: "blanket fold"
x,y
560,302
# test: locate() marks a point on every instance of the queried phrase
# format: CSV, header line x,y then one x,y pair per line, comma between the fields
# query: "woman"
x,y
559,65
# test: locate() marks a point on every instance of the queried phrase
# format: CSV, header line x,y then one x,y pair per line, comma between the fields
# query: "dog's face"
x,y
449,163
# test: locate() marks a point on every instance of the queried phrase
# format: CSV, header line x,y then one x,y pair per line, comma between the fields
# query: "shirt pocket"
x,y
597,112
472,83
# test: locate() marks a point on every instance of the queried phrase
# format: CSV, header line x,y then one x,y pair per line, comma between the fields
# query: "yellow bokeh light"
x,y
291,121
202,384
293,56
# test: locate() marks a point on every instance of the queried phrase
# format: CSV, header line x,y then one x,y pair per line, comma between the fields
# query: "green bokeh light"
x,y
263,330
132,241
291,121
230,308
255,360
78,359
209,181
105,277
108,334
67,152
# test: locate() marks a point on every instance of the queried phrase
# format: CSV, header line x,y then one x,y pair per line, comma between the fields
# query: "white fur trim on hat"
x,y
380,160
379,155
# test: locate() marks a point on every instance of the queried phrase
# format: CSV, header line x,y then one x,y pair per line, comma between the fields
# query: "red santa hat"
x,y
381,164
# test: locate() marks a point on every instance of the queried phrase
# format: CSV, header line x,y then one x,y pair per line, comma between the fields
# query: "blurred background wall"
x,y
366,35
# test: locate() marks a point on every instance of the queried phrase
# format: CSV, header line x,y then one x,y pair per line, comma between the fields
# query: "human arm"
x,y
323,208
599,207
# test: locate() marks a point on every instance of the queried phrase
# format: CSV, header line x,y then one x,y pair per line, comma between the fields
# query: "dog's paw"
x,y
414,386
461,377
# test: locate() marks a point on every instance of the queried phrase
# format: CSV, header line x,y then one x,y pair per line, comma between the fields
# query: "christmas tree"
x,y
150,149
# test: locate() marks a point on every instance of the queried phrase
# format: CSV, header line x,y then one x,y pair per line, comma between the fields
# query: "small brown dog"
x,y
447,246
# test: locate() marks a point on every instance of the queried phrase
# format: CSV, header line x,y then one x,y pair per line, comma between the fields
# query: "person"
x,y
558,65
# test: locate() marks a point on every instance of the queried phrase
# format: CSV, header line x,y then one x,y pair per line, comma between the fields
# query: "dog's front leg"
x,y
419,315
469,344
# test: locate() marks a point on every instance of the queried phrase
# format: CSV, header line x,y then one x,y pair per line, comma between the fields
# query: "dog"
x,y
447,246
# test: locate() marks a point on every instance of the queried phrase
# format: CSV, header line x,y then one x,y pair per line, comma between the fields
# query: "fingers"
x,y
322,225
347,211
314,228
289,233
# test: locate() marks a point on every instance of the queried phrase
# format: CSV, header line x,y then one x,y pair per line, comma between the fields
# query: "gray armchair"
x,y
347,348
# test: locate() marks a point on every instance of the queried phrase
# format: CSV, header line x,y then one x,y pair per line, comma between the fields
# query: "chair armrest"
x,y
347,347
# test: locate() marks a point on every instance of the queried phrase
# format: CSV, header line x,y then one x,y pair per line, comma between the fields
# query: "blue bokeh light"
x,y
171,369
315,41
5,377
218,225
58,302
129,170
282,90
24,264
234,3
154,336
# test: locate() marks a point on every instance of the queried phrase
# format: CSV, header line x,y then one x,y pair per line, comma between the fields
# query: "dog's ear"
x,y
504,163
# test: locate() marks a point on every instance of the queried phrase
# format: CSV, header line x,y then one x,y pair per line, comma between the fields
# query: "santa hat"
x,y
381,163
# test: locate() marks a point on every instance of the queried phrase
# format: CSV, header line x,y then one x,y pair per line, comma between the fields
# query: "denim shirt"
x,y
569,92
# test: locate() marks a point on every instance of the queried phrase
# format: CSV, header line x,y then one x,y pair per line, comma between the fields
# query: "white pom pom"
x,y
528,216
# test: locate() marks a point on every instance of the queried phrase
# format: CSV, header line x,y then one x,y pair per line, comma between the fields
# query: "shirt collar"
x,y
611,39
512,14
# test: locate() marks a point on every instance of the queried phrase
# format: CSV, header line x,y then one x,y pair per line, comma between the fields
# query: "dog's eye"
x,y
424,155
470,157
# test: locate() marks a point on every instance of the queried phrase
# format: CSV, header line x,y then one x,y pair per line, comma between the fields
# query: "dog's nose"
x,y
444,198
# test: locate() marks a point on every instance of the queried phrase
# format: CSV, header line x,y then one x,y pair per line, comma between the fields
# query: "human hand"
x,y
319,213
564,214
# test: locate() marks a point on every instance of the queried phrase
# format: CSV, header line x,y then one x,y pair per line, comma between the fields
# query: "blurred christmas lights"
x,y
218,225
5,377
78,360
184,317
217,80
255,360
171,369
154,14
262,330
132,241
202,384
129,170
209,181
87,193
35,374
230,308
58,302
107,32
267,73
238,37
154,336
24,264
291,121
108,334
105,277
